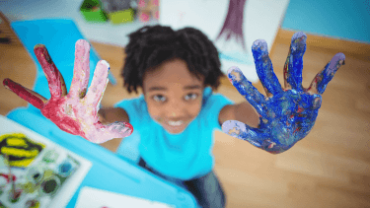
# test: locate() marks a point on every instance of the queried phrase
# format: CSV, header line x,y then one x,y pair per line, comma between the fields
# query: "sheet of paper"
x,y
96,198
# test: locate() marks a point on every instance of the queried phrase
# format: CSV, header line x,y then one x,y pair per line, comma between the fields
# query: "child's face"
x,y
173,95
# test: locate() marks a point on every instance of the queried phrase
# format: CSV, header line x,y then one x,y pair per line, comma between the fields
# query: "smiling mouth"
x,y
175,123
174,126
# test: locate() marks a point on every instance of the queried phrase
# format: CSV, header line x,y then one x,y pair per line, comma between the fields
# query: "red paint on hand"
x,y
77,111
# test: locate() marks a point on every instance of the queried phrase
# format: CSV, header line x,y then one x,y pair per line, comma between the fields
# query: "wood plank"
x,y
321,43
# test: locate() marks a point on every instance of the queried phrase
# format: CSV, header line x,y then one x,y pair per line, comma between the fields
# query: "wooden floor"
x,y
329,168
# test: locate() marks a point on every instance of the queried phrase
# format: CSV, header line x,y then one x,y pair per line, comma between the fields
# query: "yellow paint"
x,y
19,152
37,205
18,145
12,135
48,174
16,142
21,163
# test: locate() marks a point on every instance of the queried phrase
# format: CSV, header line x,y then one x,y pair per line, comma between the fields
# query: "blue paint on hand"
x,y
286,115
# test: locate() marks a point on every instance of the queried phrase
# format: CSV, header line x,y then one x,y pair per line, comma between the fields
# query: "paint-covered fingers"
x,y
239,130
81,71
56,83
321,80
294,62
103,133
28,95
246,89
242,131
264,68
98,84
257,137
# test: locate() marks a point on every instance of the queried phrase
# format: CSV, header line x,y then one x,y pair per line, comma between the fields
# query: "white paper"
x,y
96,198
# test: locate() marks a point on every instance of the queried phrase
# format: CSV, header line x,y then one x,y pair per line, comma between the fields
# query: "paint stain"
x,y
234,130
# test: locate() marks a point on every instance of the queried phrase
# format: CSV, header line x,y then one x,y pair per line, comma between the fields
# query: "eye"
x,y
159,98
191,96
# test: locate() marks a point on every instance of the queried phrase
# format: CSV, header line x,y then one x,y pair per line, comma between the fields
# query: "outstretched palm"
x,y
75,112
288,114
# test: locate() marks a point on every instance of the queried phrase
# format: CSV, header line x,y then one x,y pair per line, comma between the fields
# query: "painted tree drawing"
x,y
233,25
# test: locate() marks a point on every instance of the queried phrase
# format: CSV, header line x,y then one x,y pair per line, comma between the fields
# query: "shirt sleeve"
x,y
213,106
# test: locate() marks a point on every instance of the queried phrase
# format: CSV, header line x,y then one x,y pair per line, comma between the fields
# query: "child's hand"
x,y
75,112
288,114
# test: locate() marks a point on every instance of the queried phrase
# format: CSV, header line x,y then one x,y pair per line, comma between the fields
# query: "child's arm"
x,y
287,114
110,115
77,111
243,112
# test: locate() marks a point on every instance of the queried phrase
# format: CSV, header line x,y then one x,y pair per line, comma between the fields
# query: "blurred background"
x,y
348,20
329,168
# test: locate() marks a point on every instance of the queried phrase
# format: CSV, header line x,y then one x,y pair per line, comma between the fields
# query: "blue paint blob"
x,y
65,168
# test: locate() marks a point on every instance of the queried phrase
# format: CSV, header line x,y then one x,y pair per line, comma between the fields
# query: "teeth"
x,y
175,123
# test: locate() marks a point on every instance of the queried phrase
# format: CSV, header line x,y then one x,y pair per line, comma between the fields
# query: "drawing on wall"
x,y
232,25
232,29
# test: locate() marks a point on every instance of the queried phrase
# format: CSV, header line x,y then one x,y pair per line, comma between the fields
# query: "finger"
x,y
81,72
98,85
264,68
294,62
254,136
110,131
321,80
28,95
56,83
246,89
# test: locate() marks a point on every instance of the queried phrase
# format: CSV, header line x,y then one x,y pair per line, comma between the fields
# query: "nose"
x,y
175,111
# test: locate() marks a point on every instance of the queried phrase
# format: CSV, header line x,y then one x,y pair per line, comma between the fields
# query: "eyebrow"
x,y
189,87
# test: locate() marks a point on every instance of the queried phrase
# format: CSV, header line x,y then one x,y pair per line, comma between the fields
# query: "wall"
x,y
344,19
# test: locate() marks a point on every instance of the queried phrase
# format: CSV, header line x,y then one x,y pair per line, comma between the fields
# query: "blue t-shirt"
x,y
186,155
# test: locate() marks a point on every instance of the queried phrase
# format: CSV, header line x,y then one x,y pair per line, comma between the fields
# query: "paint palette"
x,y
32,172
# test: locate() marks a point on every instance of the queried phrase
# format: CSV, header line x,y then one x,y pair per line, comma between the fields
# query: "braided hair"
x,y
150,46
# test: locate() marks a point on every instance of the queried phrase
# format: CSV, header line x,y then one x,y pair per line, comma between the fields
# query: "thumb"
x,y
103,133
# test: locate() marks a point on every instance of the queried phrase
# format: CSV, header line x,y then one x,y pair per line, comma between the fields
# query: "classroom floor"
x,y
329,168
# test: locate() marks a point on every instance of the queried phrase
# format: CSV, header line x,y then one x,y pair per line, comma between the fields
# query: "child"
x,y
177,113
